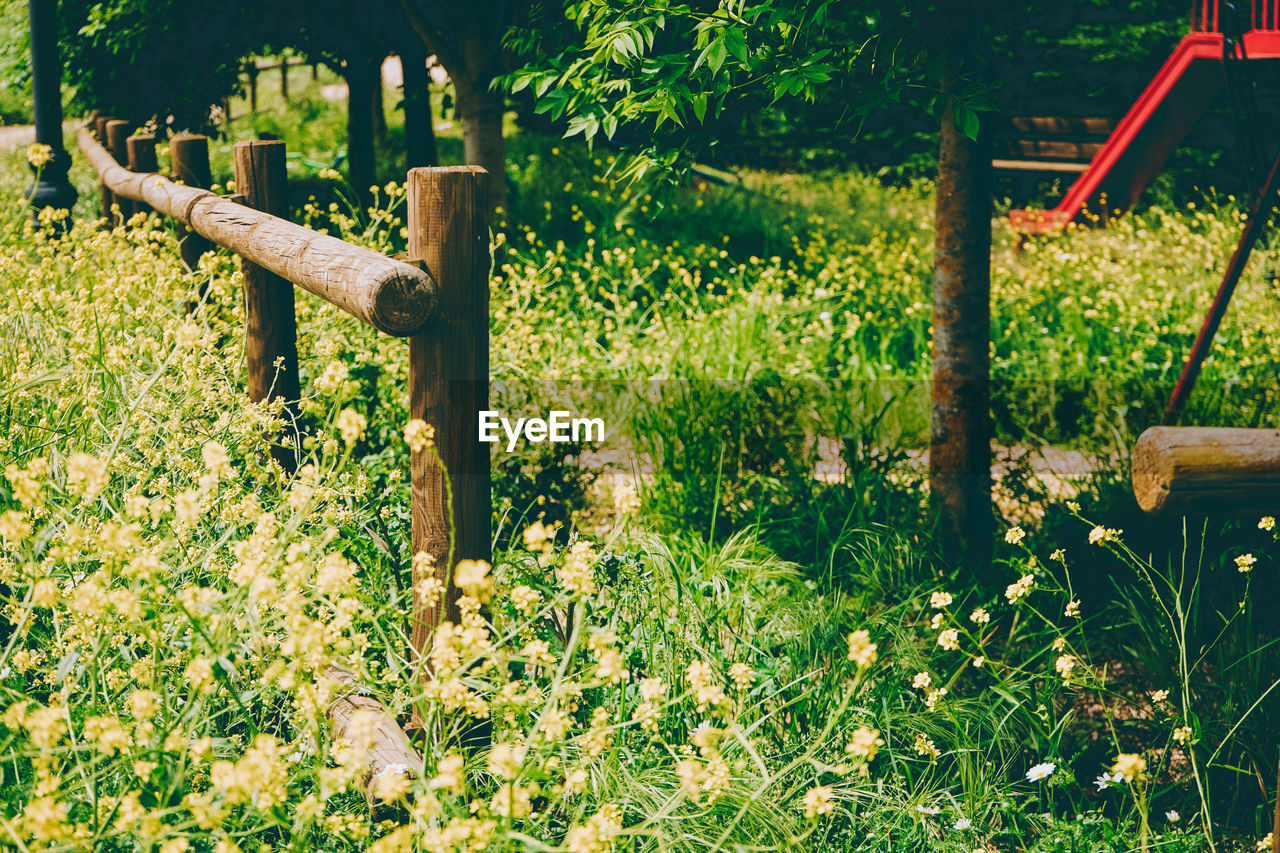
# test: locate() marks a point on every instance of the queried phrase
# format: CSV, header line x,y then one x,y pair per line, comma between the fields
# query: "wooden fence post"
x,y
449,383
270,324
108,197
142,158
118,144
189,156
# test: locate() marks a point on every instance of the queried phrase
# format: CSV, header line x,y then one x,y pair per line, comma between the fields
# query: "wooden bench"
x,y
1048,145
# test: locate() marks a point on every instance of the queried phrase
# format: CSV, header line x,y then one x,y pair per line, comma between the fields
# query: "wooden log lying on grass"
x,y
390,295
1207,470
365,724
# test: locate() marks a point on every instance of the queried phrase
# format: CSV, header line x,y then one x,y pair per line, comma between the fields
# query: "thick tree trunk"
x,y
482,139
360,158
419,132
960,444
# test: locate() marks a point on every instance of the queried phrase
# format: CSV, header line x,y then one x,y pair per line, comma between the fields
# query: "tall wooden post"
x,y
116,142
142,158
270,324
108,197
190,157
449,382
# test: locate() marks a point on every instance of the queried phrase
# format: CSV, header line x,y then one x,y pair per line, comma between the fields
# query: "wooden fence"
x,y
438,300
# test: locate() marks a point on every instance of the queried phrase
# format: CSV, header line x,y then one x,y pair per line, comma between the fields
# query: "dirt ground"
x,y
16,136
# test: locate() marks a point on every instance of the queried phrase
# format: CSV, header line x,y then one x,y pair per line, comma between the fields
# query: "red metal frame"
x,y
1163,114
1258,219
1205,17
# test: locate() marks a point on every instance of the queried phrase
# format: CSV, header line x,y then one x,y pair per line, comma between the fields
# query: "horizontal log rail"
x,y
390,295
384,747
1204,470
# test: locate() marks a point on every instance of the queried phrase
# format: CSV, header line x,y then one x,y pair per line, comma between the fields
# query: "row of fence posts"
x,y
448,225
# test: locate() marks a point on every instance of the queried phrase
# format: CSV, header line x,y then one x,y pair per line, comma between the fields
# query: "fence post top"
x,y
259,143
439,170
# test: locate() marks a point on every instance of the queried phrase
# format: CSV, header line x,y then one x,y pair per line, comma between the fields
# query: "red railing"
x,y
1206,16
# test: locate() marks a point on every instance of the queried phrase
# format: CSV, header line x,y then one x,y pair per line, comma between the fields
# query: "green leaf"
x,y
716,55
737,43
700,105
965,119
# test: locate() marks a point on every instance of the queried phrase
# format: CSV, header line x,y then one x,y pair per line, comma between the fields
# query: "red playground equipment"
x,y
1166,111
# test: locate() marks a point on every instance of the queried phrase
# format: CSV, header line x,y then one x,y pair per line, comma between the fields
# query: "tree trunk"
x,y
419,132
360,160
482,141
960,443
377,116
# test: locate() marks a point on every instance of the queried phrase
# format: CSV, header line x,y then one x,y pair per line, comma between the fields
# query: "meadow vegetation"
x,y
719,652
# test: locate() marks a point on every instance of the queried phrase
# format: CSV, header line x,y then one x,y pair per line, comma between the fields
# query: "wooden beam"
x,y
384,746
389,295
1207,470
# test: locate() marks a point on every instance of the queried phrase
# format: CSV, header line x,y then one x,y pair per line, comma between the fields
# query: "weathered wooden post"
x,y
117,142
449,383
189,155
142,158
270,324
100,129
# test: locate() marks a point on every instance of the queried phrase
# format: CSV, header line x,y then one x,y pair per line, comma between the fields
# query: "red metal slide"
x,y
1162,116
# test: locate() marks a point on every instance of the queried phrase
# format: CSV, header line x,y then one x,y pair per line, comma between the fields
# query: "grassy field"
x,y
722,652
